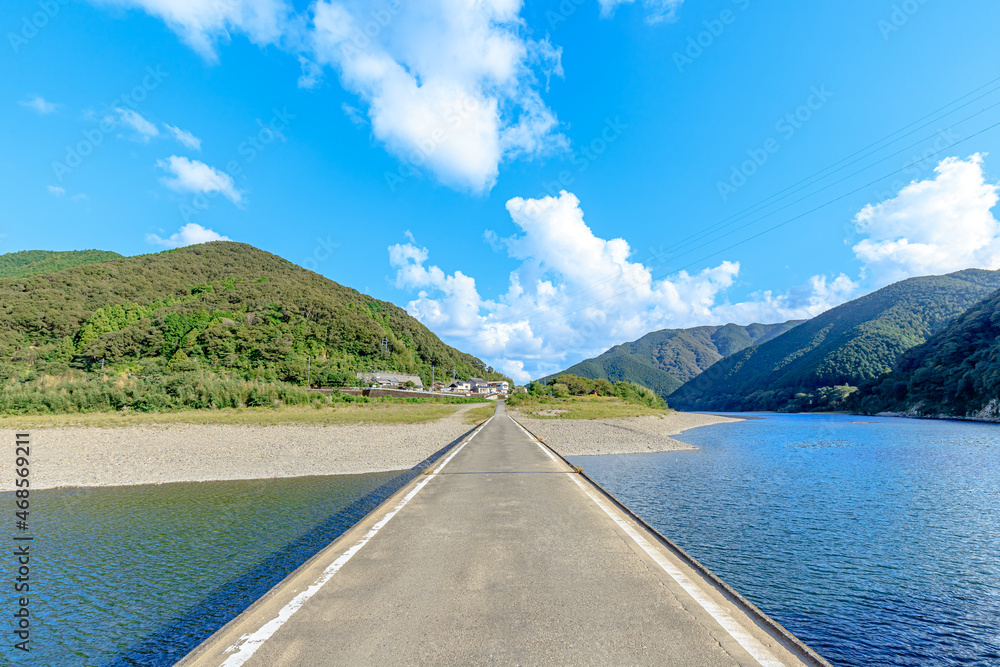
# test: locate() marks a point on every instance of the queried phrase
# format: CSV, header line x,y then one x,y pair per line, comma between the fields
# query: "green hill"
x,y
817,364
34,262
664,360
222,311
955,373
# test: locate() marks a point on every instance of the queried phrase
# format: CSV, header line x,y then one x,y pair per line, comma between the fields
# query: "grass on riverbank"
x,y
480,414
583,407
373,412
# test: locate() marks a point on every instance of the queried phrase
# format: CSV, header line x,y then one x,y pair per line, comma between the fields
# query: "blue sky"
x,y
517,175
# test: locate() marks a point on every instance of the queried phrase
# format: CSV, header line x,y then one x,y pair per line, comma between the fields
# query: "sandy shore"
x,y
82,456
195,453
633,435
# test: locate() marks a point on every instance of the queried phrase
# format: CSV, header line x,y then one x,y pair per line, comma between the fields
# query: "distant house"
x,y
390,380
500,387
460,385
479,386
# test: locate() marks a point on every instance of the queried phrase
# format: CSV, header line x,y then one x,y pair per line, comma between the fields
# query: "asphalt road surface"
x,y
503,555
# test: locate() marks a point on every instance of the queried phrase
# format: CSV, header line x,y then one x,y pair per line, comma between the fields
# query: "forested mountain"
x,y
664,360
955,373
34,262
819,363
224,308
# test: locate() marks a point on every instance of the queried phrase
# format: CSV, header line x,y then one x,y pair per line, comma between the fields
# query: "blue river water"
x,y
874,540
140,575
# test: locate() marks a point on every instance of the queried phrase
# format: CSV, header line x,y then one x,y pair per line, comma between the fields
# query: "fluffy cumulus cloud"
x,y
202,24
657,11
933,226
188,175
574,293
450,87
189,234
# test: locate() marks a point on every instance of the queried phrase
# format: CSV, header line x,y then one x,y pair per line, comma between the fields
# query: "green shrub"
x,y
77,392
636,393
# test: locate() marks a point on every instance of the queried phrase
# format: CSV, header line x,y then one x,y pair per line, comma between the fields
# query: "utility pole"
x,y
432,377
308,371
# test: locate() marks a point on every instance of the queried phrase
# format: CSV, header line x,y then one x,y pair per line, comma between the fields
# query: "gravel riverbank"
x,y
125,456
633,435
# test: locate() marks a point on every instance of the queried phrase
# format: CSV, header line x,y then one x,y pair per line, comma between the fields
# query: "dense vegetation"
x,y
34,262
818,364
664,360
955,373
566,385
212,325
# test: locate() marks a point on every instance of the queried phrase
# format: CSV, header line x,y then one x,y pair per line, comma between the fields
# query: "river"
x,y
874,540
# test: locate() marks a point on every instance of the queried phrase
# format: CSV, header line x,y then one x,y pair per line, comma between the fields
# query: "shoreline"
x,y
627,435
88,457
95,457
955,418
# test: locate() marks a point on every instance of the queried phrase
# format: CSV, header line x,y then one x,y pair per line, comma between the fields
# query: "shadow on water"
x,y
182,634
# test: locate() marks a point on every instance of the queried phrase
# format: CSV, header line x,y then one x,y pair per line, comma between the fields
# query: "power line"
x,y
695,237
770,229
802,187
765,203
848,177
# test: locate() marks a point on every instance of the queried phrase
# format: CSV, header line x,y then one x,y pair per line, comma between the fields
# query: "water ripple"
x,y
141,575
877,541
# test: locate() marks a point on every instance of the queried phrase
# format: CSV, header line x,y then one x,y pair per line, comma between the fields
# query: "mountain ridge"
x,y
663,360
222,306
27,263
852,343
956,373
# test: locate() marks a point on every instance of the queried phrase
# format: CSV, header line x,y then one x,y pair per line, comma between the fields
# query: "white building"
x,y
479,386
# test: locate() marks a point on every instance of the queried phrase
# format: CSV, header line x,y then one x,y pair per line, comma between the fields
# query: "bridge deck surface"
x,y
503,556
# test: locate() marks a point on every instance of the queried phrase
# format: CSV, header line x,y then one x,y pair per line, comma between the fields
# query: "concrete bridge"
x,y
502,554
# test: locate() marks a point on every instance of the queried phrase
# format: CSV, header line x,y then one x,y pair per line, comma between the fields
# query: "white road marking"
x,y
249,643
751,644
536,440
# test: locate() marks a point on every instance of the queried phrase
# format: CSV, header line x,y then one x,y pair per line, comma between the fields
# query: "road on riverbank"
x,y
503,555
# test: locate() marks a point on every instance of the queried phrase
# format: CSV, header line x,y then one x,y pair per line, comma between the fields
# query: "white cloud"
x,y
185,137
575,294
355,114
311,75
56,190
450,85
203,24
658,11
933,226
198,177
38,104
80,197
515,370
189,234
133,119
